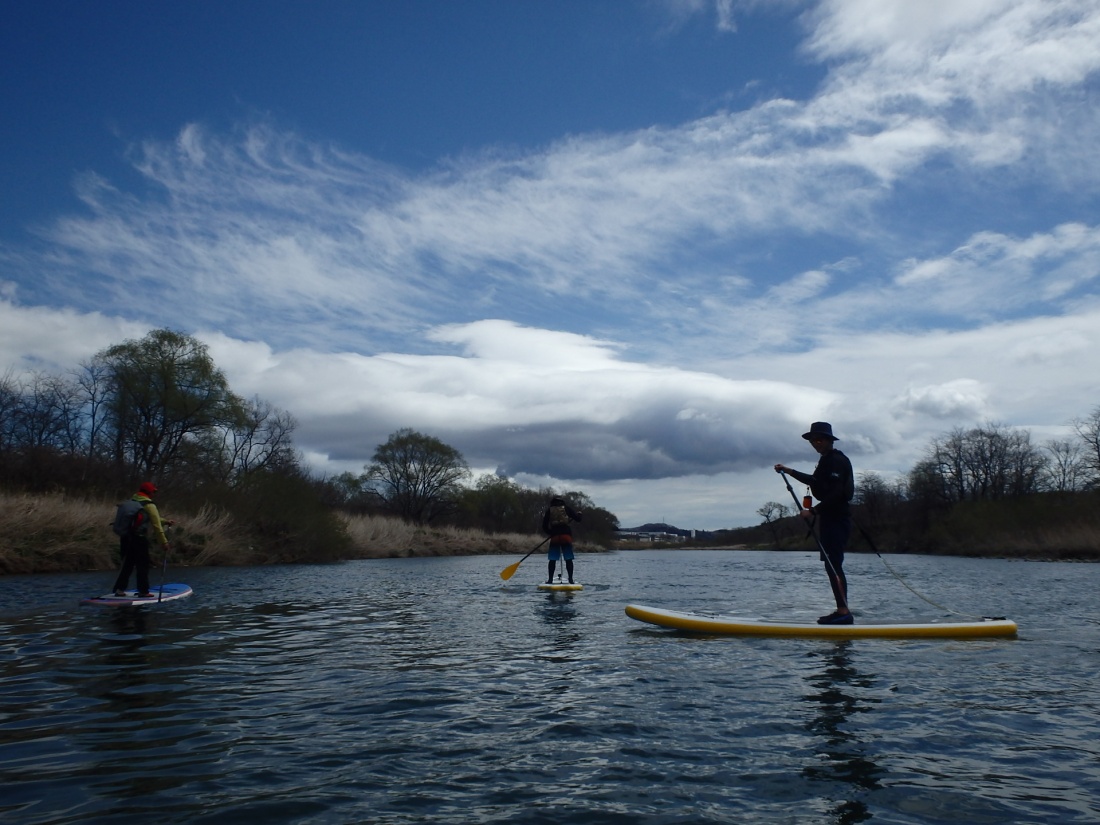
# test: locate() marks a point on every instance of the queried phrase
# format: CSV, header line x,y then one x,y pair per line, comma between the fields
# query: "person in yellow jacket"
x,y
134,543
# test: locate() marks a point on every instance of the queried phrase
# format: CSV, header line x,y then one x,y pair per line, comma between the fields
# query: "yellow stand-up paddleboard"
x,y
561,587
734,626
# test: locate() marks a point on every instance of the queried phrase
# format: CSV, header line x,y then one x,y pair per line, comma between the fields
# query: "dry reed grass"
x,y
376,537
1053,542
52,533
56,533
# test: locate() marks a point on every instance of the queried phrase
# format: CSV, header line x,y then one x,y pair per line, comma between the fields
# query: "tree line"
x,y
423,480
159,409
990,475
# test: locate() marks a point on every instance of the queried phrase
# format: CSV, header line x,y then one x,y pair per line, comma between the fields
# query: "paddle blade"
x,y
510,570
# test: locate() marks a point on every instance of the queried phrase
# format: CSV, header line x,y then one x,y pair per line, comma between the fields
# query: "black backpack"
x,y
559,517
128,517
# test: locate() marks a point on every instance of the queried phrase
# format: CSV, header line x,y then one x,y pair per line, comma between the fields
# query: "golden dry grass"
x,y
52,533
375,537
1066,541
56,533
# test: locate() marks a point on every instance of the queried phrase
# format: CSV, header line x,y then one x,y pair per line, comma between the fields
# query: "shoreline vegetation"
x,y
55,533
159,408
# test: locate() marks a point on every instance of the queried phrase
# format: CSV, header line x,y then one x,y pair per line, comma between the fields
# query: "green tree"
x,y
598,525
285,517
417,476
349,492
162,391
498,505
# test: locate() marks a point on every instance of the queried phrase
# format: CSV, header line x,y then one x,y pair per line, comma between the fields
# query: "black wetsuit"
x,y
833,485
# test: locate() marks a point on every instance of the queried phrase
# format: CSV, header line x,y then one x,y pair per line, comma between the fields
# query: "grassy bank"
x,y
55,533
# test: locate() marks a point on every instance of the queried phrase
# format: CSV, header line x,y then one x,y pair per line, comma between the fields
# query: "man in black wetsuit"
x,y
833,485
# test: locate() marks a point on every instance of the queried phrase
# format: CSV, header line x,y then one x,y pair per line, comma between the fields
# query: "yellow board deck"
x,y
735,626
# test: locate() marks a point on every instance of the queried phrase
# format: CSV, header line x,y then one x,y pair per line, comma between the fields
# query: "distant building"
x,y
635,535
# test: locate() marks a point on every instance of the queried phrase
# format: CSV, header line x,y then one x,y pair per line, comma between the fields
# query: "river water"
x,y
429,691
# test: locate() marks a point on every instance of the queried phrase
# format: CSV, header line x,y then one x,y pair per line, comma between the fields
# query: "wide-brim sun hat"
x,y
820,429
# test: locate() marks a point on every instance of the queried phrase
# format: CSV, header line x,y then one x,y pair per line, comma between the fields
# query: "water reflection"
x,y
841,754
558,611
129,623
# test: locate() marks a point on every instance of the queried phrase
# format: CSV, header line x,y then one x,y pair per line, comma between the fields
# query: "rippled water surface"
x,y
429,691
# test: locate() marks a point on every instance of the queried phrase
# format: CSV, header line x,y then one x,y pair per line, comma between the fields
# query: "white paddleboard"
x,y
131,597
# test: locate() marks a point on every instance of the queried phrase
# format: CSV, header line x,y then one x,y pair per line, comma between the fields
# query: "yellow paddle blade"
x,y
510,570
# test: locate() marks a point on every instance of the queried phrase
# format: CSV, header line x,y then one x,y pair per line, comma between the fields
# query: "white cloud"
x,y
993,273
535,348
654,315
963,399
56,340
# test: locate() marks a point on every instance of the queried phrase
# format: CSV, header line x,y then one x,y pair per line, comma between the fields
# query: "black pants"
x,y
135,556
835,533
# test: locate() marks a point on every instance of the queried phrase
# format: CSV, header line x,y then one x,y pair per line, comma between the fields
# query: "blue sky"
x,y
633,248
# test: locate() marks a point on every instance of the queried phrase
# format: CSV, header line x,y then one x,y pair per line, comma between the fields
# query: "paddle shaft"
x,y
817,540
163,577
163,568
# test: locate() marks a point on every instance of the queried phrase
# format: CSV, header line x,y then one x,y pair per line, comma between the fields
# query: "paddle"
x,y
871,544
163,576
511,569
813,533
164,566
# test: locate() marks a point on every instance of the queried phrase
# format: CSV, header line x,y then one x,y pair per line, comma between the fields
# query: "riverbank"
x,y
59,534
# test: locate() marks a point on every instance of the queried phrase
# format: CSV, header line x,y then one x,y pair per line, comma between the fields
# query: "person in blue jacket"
x,y
555,523
833,485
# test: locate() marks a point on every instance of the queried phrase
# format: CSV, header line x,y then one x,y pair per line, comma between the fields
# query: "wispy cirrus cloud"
x,y
670,302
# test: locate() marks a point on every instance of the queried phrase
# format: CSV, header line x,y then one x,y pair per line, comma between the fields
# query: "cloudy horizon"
x,y
633,249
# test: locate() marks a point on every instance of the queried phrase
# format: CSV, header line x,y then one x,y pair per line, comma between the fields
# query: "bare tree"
x,y
773,513
259,439
1066,471
9,405
985,463
1088,430
46,414
875,496
418,476
92,378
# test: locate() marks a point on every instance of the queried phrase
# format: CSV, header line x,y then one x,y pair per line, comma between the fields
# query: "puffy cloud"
x,y
964,398
654,314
